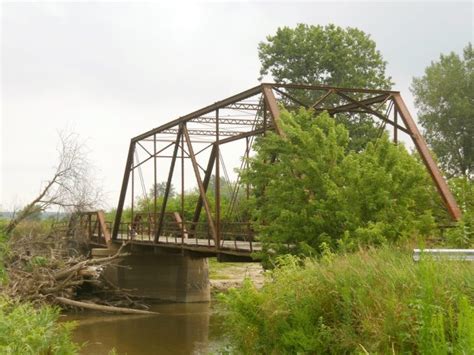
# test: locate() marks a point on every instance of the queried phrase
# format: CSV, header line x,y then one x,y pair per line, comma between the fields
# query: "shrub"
x,y
27,330
316,191
3,256
376,301
462,235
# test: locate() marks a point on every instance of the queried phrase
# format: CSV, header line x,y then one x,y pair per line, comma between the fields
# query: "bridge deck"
x,y
200,245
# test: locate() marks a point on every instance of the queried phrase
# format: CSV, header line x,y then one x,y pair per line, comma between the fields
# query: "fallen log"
x,y
102,308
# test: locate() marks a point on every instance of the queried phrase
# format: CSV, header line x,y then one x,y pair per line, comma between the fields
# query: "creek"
x,y
191,328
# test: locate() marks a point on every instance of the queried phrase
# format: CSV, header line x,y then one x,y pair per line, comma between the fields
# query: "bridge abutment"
x,y
162,275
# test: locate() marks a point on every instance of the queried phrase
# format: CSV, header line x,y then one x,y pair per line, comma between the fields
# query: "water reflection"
x,y
179,329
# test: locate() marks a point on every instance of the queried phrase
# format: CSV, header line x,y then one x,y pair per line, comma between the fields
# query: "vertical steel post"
x,y
218,184
155,192
132,230
247,155
264,118
182,189
247,188
395,121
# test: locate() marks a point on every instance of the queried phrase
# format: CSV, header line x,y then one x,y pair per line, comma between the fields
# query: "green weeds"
x,y
26,330
376,301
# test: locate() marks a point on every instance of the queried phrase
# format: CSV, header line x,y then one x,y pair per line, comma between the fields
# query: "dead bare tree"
x,y
38,270
72,186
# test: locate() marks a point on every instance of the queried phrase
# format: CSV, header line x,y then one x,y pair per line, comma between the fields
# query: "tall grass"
x,y
376,301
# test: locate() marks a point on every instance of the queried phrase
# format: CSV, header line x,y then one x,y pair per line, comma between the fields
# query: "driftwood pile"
x,y
46,274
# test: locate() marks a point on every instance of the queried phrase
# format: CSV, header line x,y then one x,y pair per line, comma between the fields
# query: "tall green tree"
x,y
327,55
323,55
317,192
444,96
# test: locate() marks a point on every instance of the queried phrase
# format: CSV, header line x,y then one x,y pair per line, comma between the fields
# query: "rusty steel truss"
x,y
204,133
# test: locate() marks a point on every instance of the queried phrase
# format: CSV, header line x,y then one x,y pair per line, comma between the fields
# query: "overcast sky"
x,y
110,71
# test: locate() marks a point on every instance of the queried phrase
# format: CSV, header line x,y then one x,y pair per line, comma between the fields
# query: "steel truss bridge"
x,y
193,150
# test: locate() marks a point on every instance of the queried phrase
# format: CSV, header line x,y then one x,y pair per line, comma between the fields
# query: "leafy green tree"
x,y
327,55
323,55
444,96
316,194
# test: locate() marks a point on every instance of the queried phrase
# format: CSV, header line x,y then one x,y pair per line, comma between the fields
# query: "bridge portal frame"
x,y
349,101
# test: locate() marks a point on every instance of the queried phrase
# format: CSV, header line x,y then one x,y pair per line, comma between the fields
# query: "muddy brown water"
x,y
192,328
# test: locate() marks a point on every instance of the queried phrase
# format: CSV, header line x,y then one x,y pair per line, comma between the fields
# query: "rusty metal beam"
x,y
255,132
103,227
351,106
372,112
430,164
322,98
201,132
218,185
272,105
325,88
153,156
225,121
205,183
123,190
244,106
294,99
168,186
202,191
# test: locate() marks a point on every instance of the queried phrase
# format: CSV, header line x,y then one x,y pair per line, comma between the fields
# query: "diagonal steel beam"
x,y
373,112
294,99
430,164
369,101
272,105
153,156
168,186
255,132
202,190
322,98
205,183
123,191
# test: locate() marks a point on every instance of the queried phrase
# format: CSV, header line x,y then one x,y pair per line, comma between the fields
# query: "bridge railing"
x,y
90,226
95,230
234,235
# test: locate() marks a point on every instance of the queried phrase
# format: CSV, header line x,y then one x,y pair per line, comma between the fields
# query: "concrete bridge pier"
x,y
162,275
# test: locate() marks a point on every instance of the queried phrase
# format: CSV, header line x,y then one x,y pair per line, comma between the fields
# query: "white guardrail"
x,y
445,254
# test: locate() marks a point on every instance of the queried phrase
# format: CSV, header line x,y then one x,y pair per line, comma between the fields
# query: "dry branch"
x,y
40,279
71,186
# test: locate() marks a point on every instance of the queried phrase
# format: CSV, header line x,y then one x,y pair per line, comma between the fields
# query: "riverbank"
x,y
226,275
